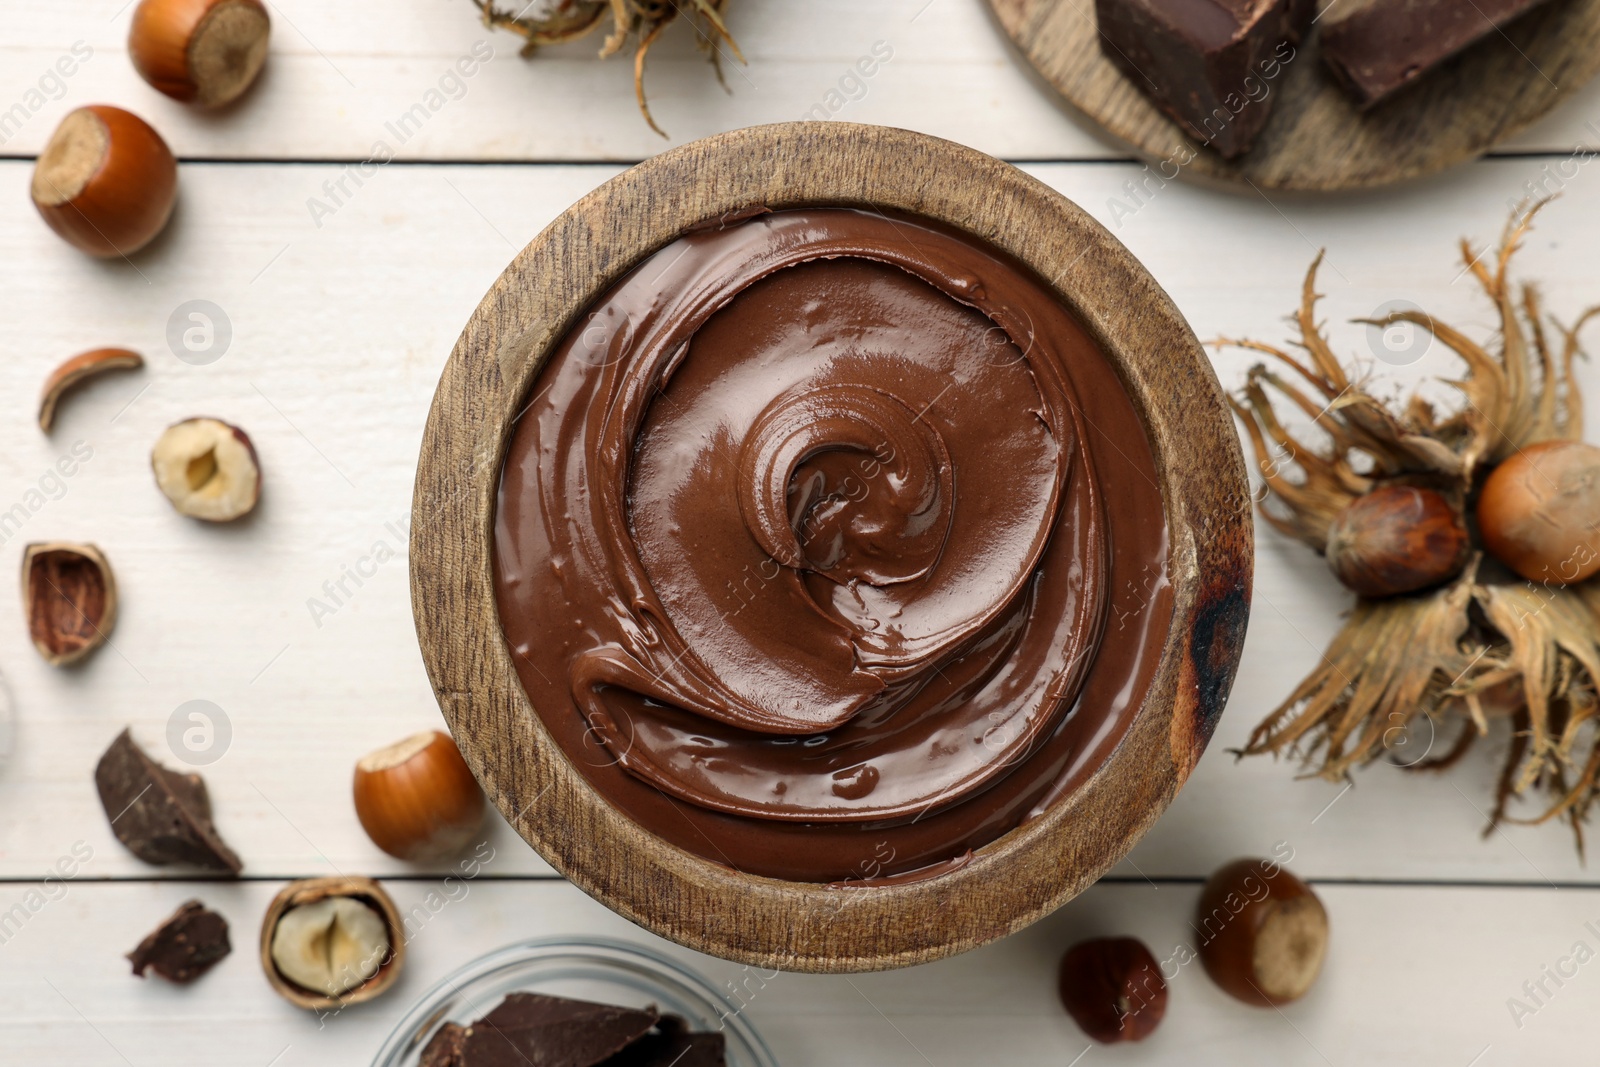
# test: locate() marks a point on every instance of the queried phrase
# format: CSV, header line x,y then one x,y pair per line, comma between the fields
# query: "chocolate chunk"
x,y
671,1044
1377,47
160,815
445,1048
533,1030
185,946
1209,64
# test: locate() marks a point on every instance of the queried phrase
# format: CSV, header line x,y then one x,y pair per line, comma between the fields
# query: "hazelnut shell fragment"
x,y
80,368
417,799
207,469
70,597
206,52
312,891
1264,932
160,815
105,182
187,944
1113,989
1539,512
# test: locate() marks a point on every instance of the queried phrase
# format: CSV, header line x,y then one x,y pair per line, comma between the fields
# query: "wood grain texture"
x,y
1316,140
1416,975
796,926
337,73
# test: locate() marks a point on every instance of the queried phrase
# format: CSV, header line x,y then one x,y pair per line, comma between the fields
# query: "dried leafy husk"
x,y
558,21
1488,647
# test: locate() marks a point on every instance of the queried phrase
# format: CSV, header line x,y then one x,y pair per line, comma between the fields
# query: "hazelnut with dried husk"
x,y
1483,648
642,20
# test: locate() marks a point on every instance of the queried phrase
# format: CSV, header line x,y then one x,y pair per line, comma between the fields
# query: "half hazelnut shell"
x,y
310,891
70,597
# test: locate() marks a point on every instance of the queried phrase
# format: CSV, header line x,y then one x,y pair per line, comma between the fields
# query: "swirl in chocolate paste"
x,y
807,533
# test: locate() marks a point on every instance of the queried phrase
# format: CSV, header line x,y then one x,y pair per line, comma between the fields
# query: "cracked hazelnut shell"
x,y
70,597
77,370
1264,933
206,52
313,891
106,181
417,799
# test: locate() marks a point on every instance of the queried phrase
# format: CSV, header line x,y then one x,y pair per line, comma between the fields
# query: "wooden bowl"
x,y
706,906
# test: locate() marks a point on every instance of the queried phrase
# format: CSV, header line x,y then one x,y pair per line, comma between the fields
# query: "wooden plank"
x,y
1413,975
339,336
338,73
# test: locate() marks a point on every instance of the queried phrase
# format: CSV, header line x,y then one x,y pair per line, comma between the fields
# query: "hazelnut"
x,y
201,51
417,799
1264,932
1113,989
79,369
1539,512
207,469
70,597
329,942
106,181
1397,539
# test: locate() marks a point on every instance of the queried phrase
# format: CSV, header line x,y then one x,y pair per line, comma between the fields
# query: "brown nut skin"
x,y
106,182
1397,539
206,52
1113,989
1539,512
1263,932
417,799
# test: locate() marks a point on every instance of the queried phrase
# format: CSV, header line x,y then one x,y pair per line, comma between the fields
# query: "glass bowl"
x,y
598,969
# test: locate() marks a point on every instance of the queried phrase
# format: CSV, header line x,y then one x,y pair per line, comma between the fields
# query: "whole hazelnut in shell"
x,y
1263,932
1539,512
106,181
1397,539
1113,989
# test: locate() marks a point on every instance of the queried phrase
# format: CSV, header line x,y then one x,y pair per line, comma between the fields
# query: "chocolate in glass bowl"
x,y
830,546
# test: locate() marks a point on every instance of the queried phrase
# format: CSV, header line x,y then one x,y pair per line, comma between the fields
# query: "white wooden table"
x,y
340,325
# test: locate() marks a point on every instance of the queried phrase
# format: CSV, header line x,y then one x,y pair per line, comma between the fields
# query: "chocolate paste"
x,y
830,546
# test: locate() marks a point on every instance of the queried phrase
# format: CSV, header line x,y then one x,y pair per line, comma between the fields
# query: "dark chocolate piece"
x,y
1209,64
533,1030
445,1048
188,944
672,1044
1377,47
160,815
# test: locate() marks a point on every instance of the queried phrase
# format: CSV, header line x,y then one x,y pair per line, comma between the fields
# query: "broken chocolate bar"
x,y
533,1030
185,946
1377,47
1209,64
161,815
672,1044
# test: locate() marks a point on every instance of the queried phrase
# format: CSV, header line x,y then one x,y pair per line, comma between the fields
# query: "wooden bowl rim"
x,y
705,906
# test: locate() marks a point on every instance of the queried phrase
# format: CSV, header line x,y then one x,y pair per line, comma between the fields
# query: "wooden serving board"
x,y
1316,140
